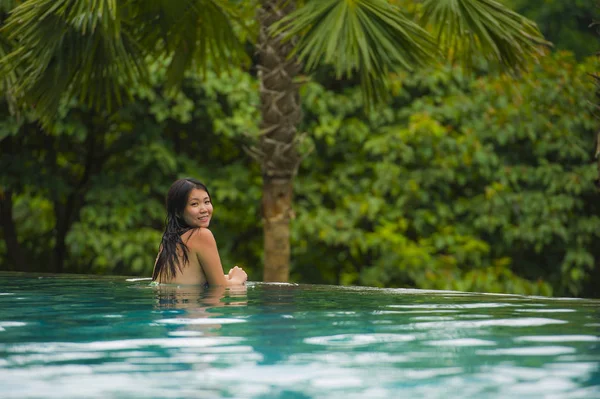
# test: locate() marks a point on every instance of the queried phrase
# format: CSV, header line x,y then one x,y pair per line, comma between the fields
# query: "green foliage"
x,y
197,132
116,226
567,24
85,44
369,37
457,184
96,51
484,28
475,185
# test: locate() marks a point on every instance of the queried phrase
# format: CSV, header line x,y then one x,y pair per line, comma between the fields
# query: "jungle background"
x,y
463,180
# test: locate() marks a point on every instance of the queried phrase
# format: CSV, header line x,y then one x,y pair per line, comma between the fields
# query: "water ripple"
x,y
12,324
530,351
358,339
462,342
211,321
454,306
110,338
516,322
559,338
121,344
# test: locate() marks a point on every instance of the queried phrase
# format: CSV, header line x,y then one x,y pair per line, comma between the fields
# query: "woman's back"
x,y
190,273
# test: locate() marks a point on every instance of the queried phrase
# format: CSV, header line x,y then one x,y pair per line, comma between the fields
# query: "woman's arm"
x,y
205,248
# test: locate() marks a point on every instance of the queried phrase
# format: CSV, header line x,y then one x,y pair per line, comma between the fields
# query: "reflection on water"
x,y
195,297
201,305
72,338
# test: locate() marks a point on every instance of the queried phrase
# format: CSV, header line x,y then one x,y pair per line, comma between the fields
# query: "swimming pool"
x,y
87,337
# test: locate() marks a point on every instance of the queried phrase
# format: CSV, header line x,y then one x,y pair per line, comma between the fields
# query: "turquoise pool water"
x,y
89,337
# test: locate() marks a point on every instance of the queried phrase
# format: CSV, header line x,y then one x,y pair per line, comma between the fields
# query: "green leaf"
x,y
465,28
368,37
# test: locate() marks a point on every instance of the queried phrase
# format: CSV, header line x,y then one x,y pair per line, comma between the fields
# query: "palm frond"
x,y
484,27
72,47
371,37
7,80
97,49
193,33
7,5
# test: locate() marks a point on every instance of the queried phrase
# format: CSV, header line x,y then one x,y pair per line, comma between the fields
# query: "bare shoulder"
x,y
200,237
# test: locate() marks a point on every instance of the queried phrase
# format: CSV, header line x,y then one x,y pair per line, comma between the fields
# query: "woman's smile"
x,y
198,210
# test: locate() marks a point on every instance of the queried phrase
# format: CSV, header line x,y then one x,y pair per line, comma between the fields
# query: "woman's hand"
x,y
237,275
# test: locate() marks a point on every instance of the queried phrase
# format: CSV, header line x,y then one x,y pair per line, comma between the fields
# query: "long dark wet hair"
x,y
177,197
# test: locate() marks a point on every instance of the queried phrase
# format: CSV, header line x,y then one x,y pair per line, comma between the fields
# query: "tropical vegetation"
x,y
96,51
444,177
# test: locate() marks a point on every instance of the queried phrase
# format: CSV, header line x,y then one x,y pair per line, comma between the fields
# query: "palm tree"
x,y
96,49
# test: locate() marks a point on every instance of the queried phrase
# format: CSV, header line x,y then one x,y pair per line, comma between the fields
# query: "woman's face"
x,y
199,209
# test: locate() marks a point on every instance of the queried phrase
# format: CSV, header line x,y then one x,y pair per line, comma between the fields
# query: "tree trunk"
x,y
277,205
15,253
277,152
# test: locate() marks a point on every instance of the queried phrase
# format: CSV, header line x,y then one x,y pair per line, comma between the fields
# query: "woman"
x,y
188,250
